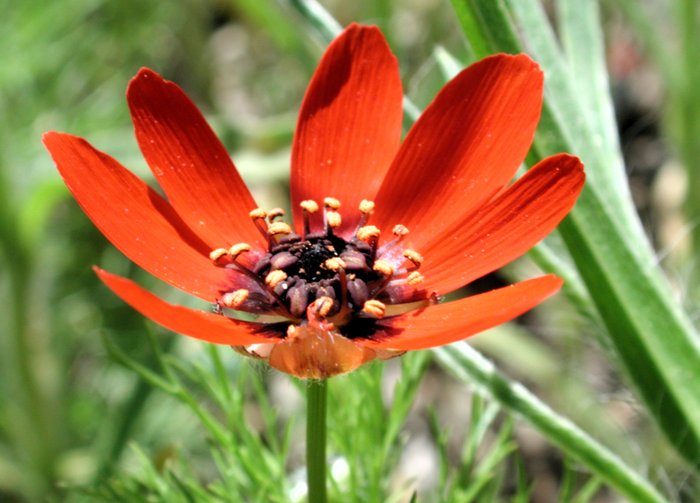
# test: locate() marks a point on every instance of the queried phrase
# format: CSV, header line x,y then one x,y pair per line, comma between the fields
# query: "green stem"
x,y
321,19
688,107
35,438
316,440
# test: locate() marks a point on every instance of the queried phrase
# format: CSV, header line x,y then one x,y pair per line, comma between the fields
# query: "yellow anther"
x,y
368,233
322,306
275,277
366,207
383,267
413,256
218,254
235,299
238,248
258,213
414,278
374,308
309,206
274,213
400,230
332,203
333,219
279,228
335,264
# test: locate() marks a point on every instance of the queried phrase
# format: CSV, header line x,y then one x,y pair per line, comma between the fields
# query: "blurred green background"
x,y
69,411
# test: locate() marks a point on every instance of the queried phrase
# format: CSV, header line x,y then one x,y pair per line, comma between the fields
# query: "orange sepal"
x,y
316,350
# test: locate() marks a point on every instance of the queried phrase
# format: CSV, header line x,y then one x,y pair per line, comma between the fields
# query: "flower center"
x,y
343,278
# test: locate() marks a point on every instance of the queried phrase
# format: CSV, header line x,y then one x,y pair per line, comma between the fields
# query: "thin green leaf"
x,y
581,35
142,371
653,337
470,366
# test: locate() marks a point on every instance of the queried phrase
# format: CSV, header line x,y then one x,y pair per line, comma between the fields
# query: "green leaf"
x,y
470,366
581,125
654,339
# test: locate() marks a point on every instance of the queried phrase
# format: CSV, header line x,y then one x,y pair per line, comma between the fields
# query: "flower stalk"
x,y
316,394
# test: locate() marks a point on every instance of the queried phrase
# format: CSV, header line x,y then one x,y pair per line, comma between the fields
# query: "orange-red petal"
x,y
465,146
201,325
135,218
190,163
349,124
454,321
504,228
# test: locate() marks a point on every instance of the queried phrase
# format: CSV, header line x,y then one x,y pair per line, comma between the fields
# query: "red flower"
x,y
352,283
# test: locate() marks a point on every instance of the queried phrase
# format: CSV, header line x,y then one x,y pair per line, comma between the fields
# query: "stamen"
x,y
399,231
233,253
322,306
331,203
413,256
275,213
368,233
374,308
237,249
275,277
218,255
383,267
386,270
414,278
334,264
309,207
366,207
235,299
279,229
258,215
333,219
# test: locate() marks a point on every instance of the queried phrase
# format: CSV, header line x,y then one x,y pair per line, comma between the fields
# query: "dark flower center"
x,y
311,259
322,266
345,280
